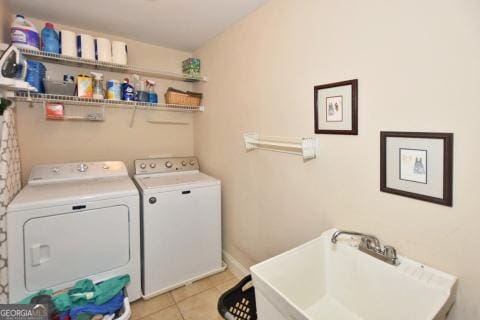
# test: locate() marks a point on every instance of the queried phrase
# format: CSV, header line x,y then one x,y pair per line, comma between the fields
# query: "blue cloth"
x,y
111,306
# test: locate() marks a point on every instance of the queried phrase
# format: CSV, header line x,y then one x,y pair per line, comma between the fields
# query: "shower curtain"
x,y
10,184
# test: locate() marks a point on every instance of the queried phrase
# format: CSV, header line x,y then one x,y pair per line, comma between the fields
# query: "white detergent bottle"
x,y
24,34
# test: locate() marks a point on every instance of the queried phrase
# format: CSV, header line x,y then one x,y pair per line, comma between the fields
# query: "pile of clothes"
x,y
85,300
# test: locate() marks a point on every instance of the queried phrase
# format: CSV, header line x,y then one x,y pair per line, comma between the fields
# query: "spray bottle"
x,y
140,93
98,91
152,95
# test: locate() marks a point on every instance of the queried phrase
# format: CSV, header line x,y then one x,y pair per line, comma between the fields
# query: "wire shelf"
x,y
107,66
72,100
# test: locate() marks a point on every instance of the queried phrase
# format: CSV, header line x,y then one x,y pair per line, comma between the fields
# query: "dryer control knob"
x,y
153,165
168,164
143,166
184,163
82,167
192,162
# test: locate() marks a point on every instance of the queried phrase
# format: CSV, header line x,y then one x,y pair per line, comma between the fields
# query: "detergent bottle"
x,y
128,92
24,34
50,39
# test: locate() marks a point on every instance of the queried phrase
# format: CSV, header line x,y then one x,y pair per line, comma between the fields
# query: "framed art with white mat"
x,y
336,108
417,165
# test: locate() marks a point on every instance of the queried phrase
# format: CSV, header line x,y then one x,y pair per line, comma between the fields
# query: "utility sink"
x,y
320,280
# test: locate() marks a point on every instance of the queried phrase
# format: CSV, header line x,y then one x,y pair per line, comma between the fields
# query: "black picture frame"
x,y
354,107
447,199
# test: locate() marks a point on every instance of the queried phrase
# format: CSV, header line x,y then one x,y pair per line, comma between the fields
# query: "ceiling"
x,y
179,24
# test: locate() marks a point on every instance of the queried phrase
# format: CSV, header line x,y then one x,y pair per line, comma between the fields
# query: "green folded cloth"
x,y
84,291
62,302
110,288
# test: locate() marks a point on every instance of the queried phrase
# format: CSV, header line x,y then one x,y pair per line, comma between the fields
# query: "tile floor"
x,y
197,301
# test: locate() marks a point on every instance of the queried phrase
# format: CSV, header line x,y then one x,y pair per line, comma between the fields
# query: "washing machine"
x,y
73,221
181,223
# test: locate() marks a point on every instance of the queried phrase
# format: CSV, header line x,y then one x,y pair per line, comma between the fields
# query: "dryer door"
x,y
75,245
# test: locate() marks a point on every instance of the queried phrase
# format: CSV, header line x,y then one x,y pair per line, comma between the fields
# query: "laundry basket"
x,y
238,303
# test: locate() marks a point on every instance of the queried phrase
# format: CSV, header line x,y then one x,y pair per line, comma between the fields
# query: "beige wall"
x,y
5,16
418,65
46,141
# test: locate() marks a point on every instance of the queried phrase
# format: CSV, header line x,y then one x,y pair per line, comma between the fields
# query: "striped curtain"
x,y
10,184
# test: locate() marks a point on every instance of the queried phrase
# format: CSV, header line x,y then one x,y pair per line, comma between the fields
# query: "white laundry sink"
x,y
321,280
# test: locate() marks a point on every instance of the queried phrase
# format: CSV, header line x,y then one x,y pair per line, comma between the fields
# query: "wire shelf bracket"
x,y
305,147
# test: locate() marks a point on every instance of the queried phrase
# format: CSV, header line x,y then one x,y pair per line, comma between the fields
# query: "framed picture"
x,y
336,108
417,165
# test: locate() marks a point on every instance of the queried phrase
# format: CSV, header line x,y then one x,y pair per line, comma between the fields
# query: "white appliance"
x,y
73,221
181,223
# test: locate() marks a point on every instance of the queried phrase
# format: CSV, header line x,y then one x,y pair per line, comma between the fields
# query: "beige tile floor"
x,y
197,301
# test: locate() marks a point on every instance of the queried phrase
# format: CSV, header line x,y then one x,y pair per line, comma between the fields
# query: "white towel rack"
x,y
305,147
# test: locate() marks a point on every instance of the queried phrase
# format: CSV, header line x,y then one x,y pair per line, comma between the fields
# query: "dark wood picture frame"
x,y
354,106
447,199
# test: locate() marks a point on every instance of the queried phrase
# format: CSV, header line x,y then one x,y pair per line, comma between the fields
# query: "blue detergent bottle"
x,y
50,39
128,92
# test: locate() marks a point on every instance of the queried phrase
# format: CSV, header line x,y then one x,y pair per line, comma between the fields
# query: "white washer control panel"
x,y
162,165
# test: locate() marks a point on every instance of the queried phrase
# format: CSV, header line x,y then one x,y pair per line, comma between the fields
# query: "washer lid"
x,y
174,181
38,196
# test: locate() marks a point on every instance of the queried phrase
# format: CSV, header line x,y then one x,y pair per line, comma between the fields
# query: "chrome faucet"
x,y
371,246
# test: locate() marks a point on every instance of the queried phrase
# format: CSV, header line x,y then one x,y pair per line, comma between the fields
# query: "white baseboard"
x,y
234,266
185,282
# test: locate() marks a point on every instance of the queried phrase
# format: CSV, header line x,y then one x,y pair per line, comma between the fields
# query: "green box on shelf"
x,y
191,67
